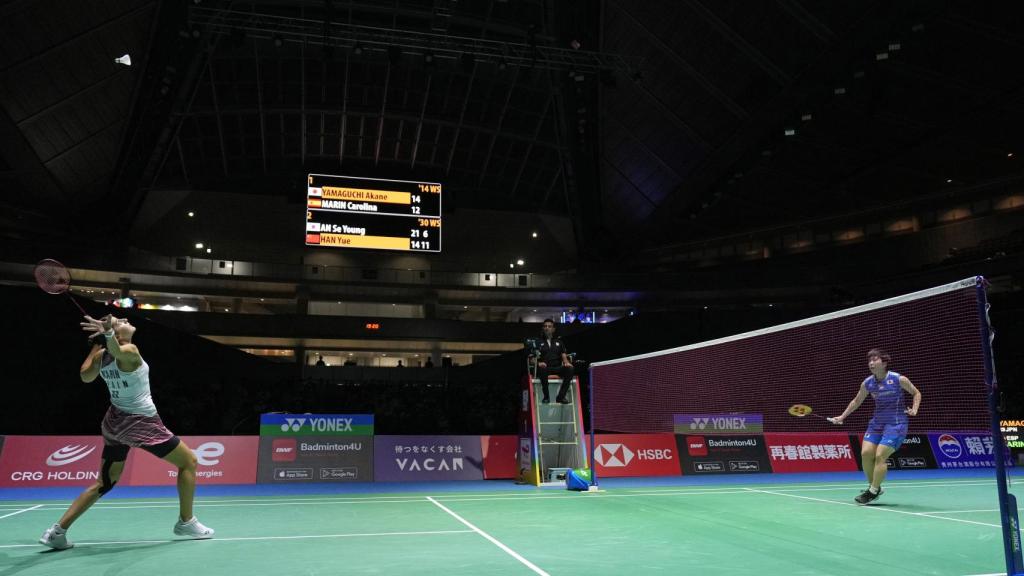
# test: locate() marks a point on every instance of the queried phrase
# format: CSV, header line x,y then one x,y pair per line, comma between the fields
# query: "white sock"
x,y
58,530
874,490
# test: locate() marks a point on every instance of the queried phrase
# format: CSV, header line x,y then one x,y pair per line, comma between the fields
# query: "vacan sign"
x,y
427,458
718,423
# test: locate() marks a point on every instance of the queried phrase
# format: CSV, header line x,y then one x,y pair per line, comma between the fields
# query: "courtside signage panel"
x,y
375,214
960,450
723,454
427,458
499,454
221,460
914,453
318,424
635,455
811,452
718,423
305,459
37,461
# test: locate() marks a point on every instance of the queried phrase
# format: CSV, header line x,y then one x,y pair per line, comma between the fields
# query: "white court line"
x,y
834,485
20,511
252,538
224,503
727,489
830,485
582,496
492,539
926,515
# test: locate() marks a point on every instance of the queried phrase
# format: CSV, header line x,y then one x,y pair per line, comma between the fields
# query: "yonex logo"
x,y
699,423
69,454
613,455
292,424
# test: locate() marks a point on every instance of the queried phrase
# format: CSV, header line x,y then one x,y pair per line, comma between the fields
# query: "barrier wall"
x,y
41,461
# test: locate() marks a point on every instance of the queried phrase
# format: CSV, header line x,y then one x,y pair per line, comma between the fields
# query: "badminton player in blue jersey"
x,y
888,427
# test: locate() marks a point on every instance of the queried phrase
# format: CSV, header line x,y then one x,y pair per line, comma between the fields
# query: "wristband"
x,y
109,334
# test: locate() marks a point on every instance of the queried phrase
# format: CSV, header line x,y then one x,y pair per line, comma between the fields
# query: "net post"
x,y
1007,502
593,446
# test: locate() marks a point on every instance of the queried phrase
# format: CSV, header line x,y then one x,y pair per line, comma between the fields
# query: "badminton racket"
x,y
54,278
803,410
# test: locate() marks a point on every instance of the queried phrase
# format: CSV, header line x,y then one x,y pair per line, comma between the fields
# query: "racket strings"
x,y
52,277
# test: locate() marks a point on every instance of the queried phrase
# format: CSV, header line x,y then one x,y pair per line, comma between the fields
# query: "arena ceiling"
x,y
647,123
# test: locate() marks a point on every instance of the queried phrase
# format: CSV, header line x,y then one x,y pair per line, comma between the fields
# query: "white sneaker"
x,y
54,540
193,529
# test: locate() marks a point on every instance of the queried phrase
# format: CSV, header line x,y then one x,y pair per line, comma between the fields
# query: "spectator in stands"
x,y
552,358
429,363
320,360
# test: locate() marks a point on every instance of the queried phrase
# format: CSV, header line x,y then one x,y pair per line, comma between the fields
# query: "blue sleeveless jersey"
x,y
888,396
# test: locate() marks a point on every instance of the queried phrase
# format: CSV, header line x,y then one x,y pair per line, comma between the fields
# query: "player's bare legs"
x,y
183,457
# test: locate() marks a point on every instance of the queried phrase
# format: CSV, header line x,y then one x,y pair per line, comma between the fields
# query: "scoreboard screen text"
x,y
349,212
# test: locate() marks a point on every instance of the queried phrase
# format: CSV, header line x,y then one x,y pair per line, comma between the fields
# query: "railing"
x,y
344,274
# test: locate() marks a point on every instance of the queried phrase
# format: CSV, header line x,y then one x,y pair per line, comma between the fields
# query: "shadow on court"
x,y
48,555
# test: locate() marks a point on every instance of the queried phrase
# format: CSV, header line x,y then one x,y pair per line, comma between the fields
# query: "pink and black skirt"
x,y
121,429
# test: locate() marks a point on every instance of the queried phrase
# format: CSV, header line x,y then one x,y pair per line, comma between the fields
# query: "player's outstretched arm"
x,y
913,391
125,354
852,407
91,366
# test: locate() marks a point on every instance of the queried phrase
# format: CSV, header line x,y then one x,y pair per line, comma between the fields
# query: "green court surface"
x,y
943,527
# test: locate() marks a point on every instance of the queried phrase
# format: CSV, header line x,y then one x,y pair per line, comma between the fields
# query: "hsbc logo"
x,y
613,455
696,446
69,454
283,450
619,455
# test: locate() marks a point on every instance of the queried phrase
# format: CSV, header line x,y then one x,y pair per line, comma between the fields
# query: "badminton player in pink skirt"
x,y
131,422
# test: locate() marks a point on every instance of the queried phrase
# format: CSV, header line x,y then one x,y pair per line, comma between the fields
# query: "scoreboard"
x,y
349,212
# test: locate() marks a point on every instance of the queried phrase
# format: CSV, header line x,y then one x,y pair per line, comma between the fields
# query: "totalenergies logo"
x,y
950,446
